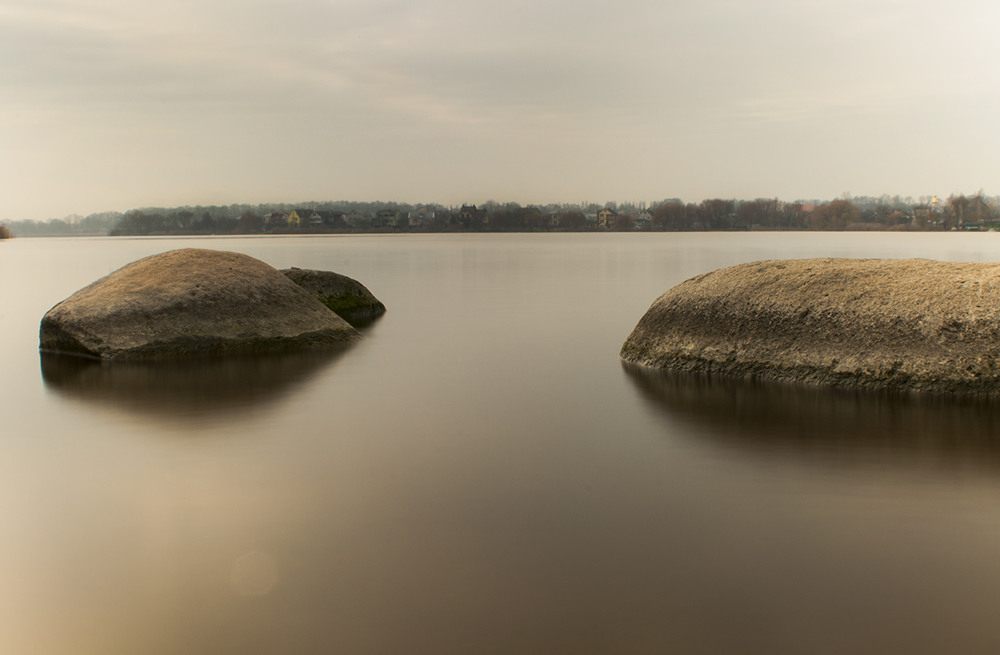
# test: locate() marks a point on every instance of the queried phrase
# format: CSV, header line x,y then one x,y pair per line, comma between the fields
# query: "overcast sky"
x,y
114,104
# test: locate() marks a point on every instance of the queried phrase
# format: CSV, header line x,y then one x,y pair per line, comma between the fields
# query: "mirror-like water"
x,y
482,474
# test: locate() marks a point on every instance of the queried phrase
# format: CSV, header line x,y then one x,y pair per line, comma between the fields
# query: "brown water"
x,y
481,474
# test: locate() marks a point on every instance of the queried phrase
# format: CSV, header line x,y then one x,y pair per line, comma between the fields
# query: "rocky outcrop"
x,y
350,299
190,302
907,325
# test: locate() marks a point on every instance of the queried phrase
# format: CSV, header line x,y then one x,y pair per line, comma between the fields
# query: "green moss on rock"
x,y
345,296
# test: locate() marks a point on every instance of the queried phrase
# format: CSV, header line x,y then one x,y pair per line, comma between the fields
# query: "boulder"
x,y
346,296
191,302
906,325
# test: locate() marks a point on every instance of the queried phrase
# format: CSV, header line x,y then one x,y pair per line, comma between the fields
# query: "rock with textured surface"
x,y
350,299
190,302
907,325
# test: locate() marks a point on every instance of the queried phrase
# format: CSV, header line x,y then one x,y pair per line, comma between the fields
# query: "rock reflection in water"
x,y
763,415
185,388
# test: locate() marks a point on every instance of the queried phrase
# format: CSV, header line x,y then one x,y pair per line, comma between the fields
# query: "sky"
x,y
117,104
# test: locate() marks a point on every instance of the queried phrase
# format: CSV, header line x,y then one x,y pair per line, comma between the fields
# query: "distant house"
x,y
469,216
335,219
532,217
606,218
357,219
897,217
421,217
276,219
386,218
304,217
978,211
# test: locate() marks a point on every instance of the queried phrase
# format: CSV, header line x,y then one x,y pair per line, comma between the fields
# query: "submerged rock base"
x,y
904,325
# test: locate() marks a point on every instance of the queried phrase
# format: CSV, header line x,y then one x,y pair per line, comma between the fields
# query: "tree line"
x,y
97,224
957,212
846,213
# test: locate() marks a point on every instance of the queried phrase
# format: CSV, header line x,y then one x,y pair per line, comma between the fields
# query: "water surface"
x,y
482,474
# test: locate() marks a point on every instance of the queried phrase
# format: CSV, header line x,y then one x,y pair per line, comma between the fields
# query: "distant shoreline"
x,y
884,213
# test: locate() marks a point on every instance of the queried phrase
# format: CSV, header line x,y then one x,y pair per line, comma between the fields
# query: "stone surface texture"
x,y
350,299
190,302
905,325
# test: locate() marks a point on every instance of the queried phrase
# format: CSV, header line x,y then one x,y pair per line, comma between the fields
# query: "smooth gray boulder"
x,y
191,302
906,325
350,299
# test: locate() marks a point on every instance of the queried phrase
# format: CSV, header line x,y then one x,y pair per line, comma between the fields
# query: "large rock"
x,y
350,299
913,325
191,302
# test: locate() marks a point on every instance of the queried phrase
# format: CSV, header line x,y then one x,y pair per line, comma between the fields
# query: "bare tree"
x,y
716,214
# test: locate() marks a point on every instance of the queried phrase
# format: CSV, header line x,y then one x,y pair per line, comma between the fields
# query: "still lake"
x,y
481,474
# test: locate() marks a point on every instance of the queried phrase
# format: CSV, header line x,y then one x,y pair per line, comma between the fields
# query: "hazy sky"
x,y
113,104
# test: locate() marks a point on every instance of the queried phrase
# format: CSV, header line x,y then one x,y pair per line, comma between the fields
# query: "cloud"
x,y
199,89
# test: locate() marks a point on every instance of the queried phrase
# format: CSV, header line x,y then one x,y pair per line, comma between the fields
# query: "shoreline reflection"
x,y
171,390
767,416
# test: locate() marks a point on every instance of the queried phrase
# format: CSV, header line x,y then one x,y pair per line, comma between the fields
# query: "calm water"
x,y
481,474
